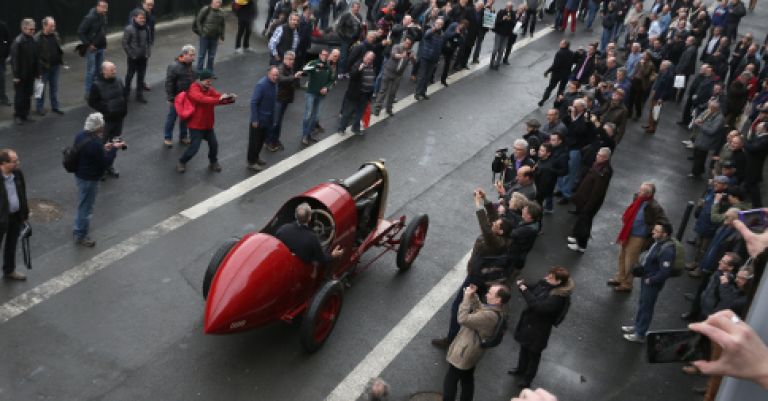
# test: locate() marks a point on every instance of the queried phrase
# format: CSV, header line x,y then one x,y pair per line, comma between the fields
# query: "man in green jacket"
x,y
209,25
322,75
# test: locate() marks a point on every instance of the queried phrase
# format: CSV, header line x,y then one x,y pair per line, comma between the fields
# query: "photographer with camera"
x,y
400,57
508,166
93,159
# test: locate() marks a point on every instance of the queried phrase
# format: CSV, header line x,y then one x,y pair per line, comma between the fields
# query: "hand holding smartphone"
x,y
669,346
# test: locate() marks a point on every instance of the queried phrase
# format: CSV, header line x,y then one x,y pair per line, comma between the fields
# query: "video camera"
x,y
500,160
119,143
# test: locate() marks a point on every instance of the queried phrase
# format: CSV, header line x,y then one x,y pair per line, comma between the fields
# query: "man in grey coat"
x,y
400,56
137,47
711,125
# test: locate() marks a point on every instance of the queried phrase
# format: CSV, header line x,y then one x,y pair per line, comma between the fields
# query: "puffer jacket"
x,y
136,43
477,321
545,305
212,26
178,78
107,97
93,30
349,27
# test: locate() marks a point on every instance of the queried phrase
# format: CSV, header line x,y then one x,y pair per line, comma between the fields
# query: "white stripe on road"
x,y
78,273
393,343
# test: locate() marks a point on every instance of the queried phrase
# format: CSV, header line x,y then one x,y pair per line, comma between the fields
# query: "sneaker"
x,y
112,172
86,242
181,167
634,338
571,240
261,162
305,140
687,143
359,133
627,329
215,167
441,343
239,50
272,147
15,276
417,97
312,139
168,143
255,167
575,247
390,113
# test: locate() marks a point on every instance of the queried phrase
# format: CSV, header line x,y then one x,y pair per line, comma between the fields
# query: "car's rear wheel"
x,y
412,241
321,316
213,265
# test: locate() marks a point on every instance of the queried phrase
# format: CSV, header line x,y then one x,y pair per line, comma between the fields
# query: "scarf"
x,y
629,217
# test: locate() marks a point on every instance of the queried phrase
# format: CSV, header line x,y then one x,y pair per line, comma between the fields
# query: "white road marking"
x,y
406,329
78,273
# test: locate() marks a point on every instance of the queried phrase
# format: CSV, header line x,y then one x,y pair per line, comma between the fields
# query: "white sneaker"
x,y
575,247
628,329
239,50
634,338
571,240
687,142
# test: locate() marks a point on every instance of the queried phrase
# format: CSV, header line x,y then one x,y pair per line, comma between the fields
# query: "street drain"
x,y
43,211
428,396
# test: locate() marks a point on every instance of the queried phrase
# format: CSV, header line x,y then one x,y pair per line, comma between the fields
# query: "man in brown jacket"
x,y
477,321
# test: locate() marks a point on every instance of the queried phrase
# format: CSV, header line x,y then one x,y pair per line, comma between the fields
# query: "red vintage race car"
x,y
256,280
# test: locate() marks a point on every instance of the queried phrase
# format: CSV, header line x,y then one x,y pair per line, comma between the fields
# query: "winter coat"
x,y
562,64
546,174
687,63
107,96
93,30
245,13
658,263
757,150
136,42
48,50
431,46
212,26
504,26
704,226
21,192
711,295
545,305
735,13
477,321
487,244
592,189
663,88
150,22
737,97
92,159
349,27
321,75
356,90
263,102
25,61
204,100
286,84
616,114
712,132
396,66
178,77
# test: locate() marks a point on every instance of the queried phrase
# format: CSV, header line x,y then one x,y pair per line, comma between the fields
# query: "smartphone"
x,y
665,346
754,219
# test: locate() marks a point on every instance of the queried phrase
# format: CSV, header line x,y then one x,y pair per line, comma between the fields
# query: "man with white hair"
x,y
578,136
93,159
25,68
589,198
711,125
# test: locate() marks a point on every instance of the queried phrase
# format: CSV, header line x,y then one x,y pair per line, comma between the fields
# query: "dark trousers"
x,y
136,66
196,137
3,96
256,138
243,33
699,161
11,239
528,363
447,58
22,100
478,45
451,382
112,127
353,110
636,95
753,192
560,82
695,311
529,19
426,70
583,228
510,42
462,58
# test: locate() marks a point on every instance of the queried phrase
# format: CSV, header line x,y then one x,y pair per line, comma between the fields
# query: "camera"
x,y
500,160
755,219
119,143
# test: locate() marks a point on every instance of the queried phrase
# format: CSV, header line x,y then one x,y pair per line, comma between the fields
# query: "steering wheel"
x,y
321,222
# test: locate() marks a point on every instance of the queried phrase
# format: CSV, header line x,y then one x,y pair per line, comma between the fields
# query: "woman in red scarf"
x,y
636,233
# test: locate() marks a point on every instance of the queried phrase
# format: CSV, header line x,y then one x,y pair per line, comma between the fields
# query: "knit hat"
x,y
94,122
205,74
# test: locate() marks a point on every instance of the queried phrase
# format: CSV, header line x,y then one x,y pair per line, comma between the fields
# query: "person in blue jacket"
x,y
262,112
655,272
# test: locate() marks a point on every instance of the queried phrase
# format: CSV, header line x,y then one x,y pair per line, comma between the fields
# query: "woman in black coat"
x,y
547,302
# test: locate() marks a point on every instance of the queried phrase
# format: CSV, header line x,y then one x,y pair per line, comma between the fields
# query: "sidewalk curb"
x,y
116,35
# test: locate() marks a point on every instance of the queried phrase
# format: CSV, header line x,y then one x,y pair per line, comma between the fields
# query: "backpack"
x,y
184,106
678,266
201,16
498,333
71,155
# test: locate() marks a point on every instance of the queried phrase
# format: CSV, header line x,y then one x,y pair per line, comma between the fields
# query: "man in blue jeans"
x,y
50,60
656,271
179,76
578,135
322,75
93,35
94,157
209,25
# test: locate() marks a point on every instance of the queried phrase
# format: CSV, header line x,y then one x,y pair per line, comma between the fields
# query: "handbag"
x,y
518,28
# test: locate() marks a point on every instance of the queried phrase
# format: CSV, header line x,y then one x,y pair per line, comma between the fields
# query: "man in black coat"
x,y
147,6
474,38
51,58
93,35
25,65
303,242
686,66
178,77
14,211
756,149
559,71
589,198
698,94
5,46
107,97
547,303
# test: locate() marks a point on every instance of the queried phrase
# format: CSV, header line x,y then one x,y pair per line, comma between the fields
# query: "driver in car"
x,y
303,242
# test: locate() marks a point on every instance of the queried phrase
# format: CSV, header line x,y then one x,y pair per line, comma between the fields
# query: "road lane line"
x,y
406,329
80,272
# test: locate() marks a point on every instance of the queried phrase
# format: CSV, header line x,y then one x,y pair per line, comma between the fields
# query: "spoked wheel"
x,y
412,241
321,316
215,262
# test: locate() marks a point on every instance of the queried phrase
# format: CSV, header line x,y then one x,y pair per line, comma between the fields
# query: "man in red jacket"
x,y
200,124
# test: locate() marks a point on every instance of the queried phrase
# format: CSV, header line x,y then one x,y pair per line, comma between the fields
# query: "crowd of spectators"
x,y
646,57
